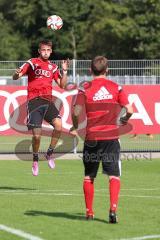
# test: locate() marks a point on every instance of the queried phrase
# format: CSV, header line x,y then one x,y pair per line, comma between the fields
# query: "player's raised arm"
x,y
62,81
17,74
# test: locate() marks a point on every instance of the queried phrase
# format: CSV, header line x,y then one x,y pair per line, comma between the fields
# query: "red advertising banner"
x,y
145,100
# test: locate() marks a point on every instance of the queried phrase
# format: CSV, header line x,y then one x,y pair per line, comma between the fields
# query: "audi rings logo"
x,y
14,113
42,72
9,119
11,99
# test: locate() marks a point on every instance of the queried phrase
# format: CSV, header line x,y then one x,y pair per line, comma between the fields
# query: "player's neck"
x,y
100,76
44,60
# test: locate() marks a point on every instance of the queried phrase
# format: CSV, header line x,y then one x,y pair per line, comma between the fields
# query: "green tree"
x,y
146,37
11,45
71,37
108,29
29,19
124,29
119,29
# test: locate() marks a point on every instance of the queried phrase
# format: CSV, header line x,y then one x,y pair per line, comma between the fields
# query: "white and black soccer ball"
x,y
54,22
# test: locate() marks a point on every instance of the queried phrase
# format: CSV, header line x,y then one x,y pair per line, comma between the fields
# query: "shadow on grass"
x,y
76,216
15,188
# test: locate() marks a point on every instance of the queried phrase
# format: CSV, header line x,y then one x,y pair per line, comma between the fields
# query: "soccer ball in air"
x,y
54,22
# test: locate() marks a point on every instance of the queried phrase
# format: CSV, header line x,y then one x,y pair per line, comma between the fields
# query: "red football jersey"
x,y
103,101
40,75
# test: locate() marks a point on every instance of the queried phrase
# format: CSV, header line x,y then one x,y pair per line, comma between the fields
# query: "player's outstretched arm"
x,y
17,74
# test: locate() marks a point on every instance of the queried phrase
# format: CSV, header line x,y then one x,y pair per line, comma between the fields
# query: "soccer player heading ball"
x,y
41,72
103,100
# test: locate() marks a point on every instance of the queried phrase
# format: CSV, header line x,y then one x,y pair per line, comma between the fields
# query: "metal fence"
x,y
120,71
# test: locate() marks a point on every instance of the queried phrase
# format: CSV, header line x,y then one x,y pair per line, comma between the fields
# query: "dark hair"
x,y
45,42
99,65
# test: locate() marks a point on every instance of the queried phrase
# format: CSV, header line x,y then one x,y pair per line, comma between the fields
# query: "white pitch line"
x,y
44,193
139,196
140,189
19,233
57,193
142,238
132,189
74,190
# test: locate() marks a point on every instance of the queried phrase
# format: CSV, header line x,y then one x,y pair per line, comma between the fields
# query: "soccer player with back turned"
x,y
101,99
41,72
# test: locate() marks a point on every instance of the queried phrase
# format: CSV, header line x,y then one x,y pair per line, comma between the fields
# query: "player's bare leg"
x,y
57,123
134,136
88,188
150,135
114,188
35,146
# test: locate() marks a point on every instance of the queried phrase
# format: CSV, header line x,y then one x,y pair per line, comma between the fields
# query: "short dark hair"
x,y
45,42
99,65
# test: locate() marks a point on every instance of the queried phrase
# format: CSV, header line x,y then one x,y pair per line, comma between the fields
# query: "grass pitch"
x,y
51,206
14,144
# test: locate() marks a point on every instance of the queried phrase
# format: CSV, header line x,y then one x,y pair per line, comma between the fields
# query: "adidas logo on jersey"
x,y
102,94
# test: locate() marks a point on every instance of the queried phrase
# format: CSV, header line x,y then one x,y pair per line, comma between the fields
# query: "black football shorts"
x,y
40,109
107,151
